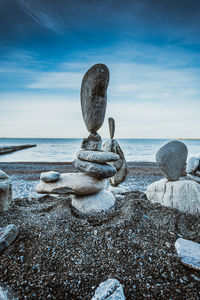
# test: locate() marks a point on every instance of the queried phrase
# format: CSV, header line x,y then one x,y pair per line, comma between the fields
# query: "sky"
x,y
151,47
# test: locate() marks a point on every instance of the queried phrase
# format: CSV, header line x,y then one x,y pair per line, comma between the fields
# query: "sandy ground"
x,y
62,255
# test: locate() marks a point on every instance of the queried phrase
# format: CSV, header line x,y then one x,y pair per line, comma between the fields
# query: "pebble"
x,y
7,235
111,123
192,164
110,290
50,176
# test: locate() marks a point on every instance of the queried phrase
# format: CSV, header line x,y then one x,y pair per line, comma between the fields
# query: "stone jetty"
x,y
88,188
113,146
175,190
7,150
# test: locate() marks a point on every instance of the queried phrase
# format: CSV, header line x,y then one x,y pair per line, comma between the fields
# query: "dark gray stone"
x,y
5,194
7,235
171,159
50,176
111,123
93,142
111,289
93,169
99,157
94,96
120,164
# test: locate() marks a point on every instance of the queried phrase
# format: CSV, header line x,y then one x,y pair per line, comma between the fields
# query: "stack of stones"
x,y
5,191
89,187
193,169
175,190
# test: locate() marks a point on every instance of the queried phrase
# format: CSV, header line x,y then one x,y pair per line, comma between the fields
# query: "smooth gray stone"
x,y
93,169
189,253
3,175
192,164
93,142
110,289
111,123
120,164
7,235
94,96
5,194
50,176
101,201
171,159
100,157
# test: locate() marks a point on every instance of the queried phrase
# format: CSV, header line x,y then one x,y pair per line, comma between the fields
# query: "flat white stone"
x,y
72,183
117,190
192,164
189,252
182,194
50,176
97,156
101,201
110,289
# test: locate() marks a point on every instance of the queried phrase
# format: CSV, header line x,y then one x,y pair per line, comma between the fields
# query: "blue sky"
x,y
151,47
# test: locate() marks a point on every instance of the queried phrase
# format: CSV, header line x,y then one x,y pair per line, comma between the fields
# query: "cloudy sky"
x,y
151,47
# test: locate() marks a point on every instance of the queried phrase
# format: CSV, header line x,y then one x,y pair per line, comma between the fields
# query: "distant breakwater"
x,y
7,150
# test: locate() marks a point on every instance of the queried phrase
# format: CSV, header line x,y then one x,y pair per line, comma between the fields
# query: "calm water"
x,y
64,150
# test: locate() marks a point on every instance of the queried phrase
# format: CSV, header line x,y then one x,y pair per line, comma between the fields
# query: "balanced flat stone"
x,y
72,183
50,176
111,124
189,253
93,169
111,289
94,96
120,164
101,201
171,159
182,194
100,157
7,235
192,164
93,142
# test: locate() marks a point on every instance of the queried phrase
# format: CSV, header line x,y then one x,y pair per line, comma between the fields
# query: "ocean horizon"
x,y
65,149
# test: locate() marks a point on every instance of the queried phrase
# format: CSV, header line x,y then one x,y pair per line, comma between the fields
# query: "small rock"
x,y
50,176
5,194
72,183
189,252
197,173
171,159
93,142
111,123
100,157
117,190
7,235
109,290
192,164
93,169
101,201
193,177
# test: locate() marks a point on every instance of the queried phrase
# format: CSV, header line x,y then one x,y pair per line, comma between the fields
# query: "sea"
x,y
64,150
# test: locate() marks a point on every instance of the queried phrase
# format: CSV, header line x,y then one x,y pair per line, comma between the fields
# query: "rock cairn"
x,y
89,187
5,191
175,190
113,146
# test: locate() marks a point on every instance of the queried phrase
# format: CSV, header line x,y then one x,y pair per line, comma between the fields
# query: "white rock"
x,y
101,201
72,183
189,252
5,194
193,177
50,176
182,194
109,290
192,164
117,190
